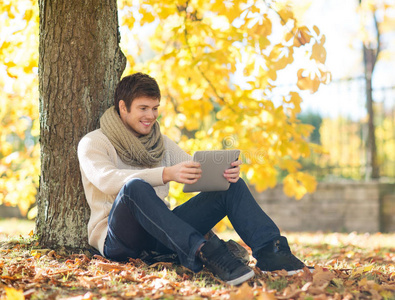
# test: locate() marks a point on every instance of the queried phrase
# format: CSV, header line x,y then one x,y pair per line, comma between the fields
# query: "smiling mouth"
x,y
146,123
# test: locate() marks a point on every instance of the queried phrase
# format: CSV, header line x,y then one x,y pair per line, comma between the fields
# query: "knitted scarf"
x,y
144,151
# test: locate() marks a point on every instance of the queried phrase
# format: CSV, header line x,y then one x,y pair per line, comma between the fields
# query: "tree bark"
x,y
372,164
80,63
370,56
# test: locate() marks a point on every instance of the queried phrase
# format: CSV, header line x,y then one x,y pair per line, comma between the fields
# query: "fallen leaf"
x,y
13,294
243,293
110,267
267,296
321,277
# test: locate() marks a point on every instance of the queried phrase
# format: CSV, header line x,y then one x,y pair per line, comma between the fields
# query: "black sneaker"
x,y
239,251
234,247
219,260
278,256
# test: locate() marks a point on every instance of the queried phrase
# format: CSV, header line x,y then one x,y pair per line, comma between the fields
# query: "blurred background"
x,y
360,54
353,113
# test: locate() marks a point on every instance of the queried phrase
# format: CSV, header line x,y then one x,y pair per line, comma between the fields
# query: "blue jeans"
x,y
139,220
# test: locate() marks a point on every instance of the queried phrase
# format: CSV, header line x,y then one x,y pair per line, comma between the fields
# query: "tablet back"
x,y
213,164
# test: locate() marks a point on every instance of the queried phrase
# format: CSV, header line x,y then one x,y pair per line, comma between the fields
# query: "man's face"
x,y
142,115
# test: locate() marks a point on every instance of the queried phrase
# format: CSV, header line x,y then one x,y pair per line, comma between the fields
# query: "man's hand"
x,y
233,174
185,172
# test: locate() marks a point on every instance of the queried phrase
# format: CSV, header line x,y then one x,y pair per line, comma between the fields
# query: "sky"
x,y
340,23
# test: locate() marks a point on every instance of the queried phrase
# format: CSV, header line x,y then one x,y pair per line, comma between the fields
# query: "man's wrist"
x,y
165,175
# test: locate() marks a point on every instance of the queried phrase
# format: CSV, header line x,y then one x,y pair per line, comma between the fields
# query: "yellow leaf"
x,y
13,294
317,31
281,56
128,21
368,268
303,36
35,254
232,10
147,16
318,53
286,14
298,184
28,15
6,149
264,28
310,82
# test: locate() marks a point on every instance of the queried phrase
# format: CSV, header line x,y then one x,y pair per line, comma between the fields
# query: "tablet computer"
x,y
213,164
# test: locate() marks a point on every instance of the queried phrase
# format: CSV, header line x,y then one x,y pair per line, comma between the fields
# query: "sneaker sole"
x,y
241,279
293,272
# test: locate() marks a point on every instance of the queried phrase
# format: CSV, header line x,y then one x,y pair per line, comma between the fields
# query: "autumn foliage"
x,y
19,124
218,64
347,266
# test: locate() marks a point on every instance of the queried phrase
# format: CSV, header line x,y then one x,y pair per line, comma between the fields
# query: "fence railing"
x,y
344,135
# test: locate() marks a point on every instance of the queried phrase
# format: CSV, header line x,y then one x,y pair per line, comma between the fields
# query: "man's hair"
x,y
135,86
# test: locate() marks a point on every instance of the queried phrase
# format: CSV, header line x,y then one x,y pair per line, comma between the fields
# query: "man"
x,y
126,167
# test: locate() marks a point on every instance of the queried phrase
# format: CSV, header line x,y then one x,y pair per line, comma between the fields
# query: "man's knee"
x,y
136,185
134,190
239,184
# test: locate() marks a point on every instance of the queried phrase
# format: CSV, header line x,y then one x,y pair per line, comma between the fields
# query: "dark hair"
x,y
134,86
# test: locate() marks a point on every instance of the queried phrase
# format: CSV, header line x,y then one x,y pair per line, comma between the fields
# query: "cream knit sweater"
x,y
103,175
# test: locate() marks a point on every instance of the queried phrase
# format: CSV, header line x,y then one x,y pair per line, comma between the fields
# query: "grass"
x,y
348,266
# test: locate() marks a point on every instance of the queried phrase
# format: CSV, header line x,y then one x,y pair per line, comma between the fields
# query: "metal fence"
x,y
344,133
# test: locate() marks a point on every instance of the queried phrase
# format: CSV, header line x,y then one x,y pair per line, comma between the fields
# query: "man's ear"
x,y
122,106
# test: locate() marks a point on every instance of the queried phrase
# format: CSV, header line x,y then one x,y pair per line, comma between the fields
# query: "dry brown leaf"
x,y
306,275
316,290
306,287
321,297
6,277
266,296
110,267
244,292
321,277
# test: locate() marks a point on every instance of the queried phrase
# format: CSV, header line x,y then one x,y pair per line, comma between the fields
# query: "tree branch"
x,y
222,99
378,39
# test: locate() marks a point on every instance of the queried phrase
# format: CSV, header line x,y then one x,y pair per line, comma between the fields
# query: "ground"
x,y
347,266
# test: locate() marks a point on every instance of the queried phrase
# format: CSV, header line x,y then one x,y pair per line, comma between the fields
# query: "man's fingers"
x,y
192,168
191,179
190,172
235,170
236,163
191,164
191,175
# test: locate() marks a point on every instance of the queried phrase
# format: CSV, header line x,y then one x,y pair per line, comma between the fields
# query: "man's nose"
x,y
151,114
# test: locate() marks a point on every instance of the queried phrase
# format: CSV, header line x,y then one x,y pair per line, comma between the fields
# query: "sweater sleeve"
x,y
175,153
97,158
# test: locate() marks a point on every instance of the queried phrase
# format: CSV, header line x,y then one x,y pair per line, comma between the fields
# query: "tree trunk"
x,y
370,55
372,164
80,63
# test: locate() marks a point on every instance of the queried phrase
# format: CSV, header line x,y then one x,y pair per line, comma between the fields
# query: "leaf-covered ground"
x,y
348,266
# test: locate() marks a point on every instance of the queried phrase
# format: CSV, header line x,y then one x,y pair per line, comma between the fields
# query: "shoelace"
x,y
281,247
226,260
